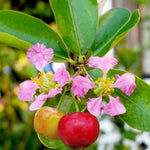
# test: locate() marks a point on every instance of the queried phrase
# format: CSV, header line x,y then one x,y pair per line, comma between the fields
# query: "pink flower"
x,y
103,63
114,107
39,55
95,106
62,76
126,83
81,85
27,90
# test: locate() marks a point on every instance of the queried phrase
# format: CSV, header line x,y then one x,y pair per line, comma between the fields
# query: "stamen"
x,y
107,84
102,83
109,89
113,79
39,84
100,79
33,80
38,80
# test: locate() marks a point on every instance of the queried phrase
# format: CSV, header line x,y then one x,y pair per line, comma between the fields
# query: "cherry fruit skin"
x,y
46,122
78,130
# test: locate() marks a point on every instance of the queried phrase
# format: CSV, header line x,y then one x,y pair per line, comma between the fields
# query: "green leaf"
x,y
137,104
12,41
54,144
113,26
21,31
132,22
77,23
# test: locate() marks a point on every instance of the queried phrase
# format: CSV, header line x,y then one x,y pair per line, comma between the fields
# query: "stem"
x,y
84,109
71,61
80,59
76,105
104,76
60,101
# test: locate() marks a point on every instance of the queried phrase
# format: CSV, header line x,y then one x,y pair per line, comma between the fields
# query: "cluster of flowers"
x,y
49,84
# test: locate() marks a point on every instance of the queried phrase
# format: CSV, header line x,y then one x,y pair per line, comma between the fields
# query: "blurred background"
x,y
16,121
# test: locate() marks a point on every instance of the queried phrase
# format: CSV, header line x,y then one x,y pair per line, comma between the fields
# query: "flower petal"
x,y
126,83
39,55
27,90
39,101
114,107
95,106
104,63
54,92
62,76
81,85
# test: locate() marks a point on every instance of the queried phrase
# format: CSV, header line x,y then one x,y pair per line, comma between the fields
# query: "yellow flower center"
x,y
104,86
38,80
45,82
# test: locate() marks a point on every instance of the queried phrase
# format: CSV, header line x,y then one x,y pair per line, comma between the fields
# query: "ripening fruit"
x,y
78,130
46,122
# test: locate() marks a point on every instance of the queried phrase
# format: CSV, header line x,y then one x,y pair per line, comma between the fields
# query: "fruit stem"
x,y
61,98
76,105
84,109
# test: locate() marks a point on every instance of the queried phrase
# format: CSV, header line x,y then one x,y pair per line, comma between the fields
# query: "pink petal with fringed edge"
x,y
61,76
54,92
39,55
114,107
104,63
95,106
81,85
27,90
39,101
126,83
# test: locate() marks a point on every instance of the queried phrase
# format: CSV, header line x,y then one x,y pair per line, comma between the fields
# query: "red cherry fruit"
x,y
78,130
46,122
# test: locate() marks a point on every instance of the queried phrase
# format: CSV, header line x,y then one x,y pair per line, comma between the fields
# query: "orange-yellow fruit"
x,y
46,122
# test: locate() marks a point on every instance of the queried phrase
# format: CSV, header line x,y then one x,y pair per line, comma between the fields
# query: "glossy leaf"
x,y
113,26
21,31
137,104
54,144
77,23
132,22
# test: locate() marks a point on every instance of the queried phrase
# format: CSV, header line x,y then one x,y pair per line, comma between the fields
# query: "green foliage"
x,y
76,22
54,144
37,8
129,59
141,2
21,31
79,40
113,26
